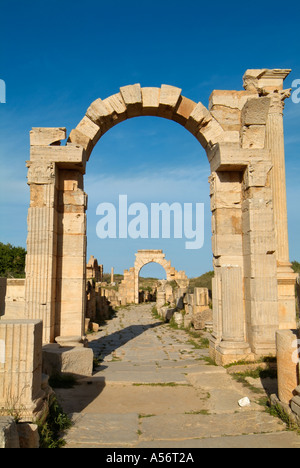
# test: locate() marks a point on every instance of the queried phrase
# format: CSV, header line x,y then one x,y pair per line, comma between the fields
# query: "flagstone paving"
x,y
155,389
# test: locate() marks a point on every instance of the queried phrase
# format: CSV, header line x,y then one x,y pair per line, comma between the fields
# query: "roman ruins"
x,y
242,135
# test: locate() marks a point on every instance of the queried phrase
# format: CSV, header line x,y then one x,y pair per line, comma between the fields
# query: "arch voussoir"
x,y
134,101
132,97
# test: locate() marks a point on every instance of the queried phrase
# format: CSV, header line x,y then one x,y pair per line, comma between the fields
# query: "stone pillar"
x,y
261,295
21,367
287,344
71,257
233,341
270,83
227,246
40,292
112,276
285,275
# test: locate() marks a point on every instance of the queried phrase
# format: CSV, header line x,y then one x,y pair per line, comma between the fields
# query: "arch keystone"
x,y
151,99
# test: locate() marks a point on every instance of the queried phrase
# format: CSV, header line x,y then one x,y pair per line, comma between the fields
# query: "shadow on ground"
x,y
106,345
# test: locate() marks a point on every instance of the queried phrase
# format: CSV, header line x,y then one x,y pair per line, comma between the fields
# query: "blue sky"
x,y
57,57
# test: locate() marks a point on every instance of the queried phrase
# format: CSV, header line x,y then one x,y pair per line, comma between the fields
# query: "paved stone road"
x,y
153,389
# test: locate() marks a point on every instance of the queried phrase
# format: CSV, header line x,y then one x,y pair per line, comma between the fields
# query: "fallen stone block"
x,y
201,318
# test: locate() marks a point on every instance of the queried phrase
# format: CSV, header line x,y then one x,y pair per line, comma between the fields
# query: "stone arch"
x,y
129,288
242,134
134,101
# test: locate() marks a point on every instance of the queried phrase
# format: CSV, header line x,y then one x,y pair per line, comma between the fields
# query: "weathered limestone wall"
x,y
94,271
100,301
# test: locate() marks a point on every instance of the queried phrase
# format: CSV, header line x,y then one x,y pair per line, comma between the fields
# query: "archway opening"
x,y
150,160
150,276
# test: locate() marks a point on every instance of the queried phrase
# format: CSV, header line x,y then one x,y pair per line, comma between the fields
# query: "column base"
x,y
228,352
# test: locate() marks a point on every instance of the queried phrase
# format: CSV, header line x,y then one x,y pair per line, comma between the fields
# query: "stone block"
x,y
201,297
9,437
256,174
256,79
88,128
226,221
255,111
3,286
132,97
210,133
118,106
151,98
261,289
70,267
287,349
169,97
100,114
253,136
200,319
184,110
47,136
228,118
77,361
78,138
28,436
226,244
230,99
15,299
227,155
260,266
74,223
21,364
197,117
178,318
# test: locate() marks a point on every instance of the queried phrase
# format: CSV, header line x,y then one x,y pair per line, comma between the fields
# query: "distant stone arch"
x,y
129,287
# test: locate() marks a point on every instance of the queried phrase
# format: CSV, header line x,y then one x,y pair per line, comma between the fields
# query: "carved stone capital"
x,y
278,98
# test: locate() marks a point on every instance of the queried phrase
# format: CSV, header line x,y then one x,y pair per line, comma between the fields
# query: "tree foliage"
x,y
12,261
296,266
